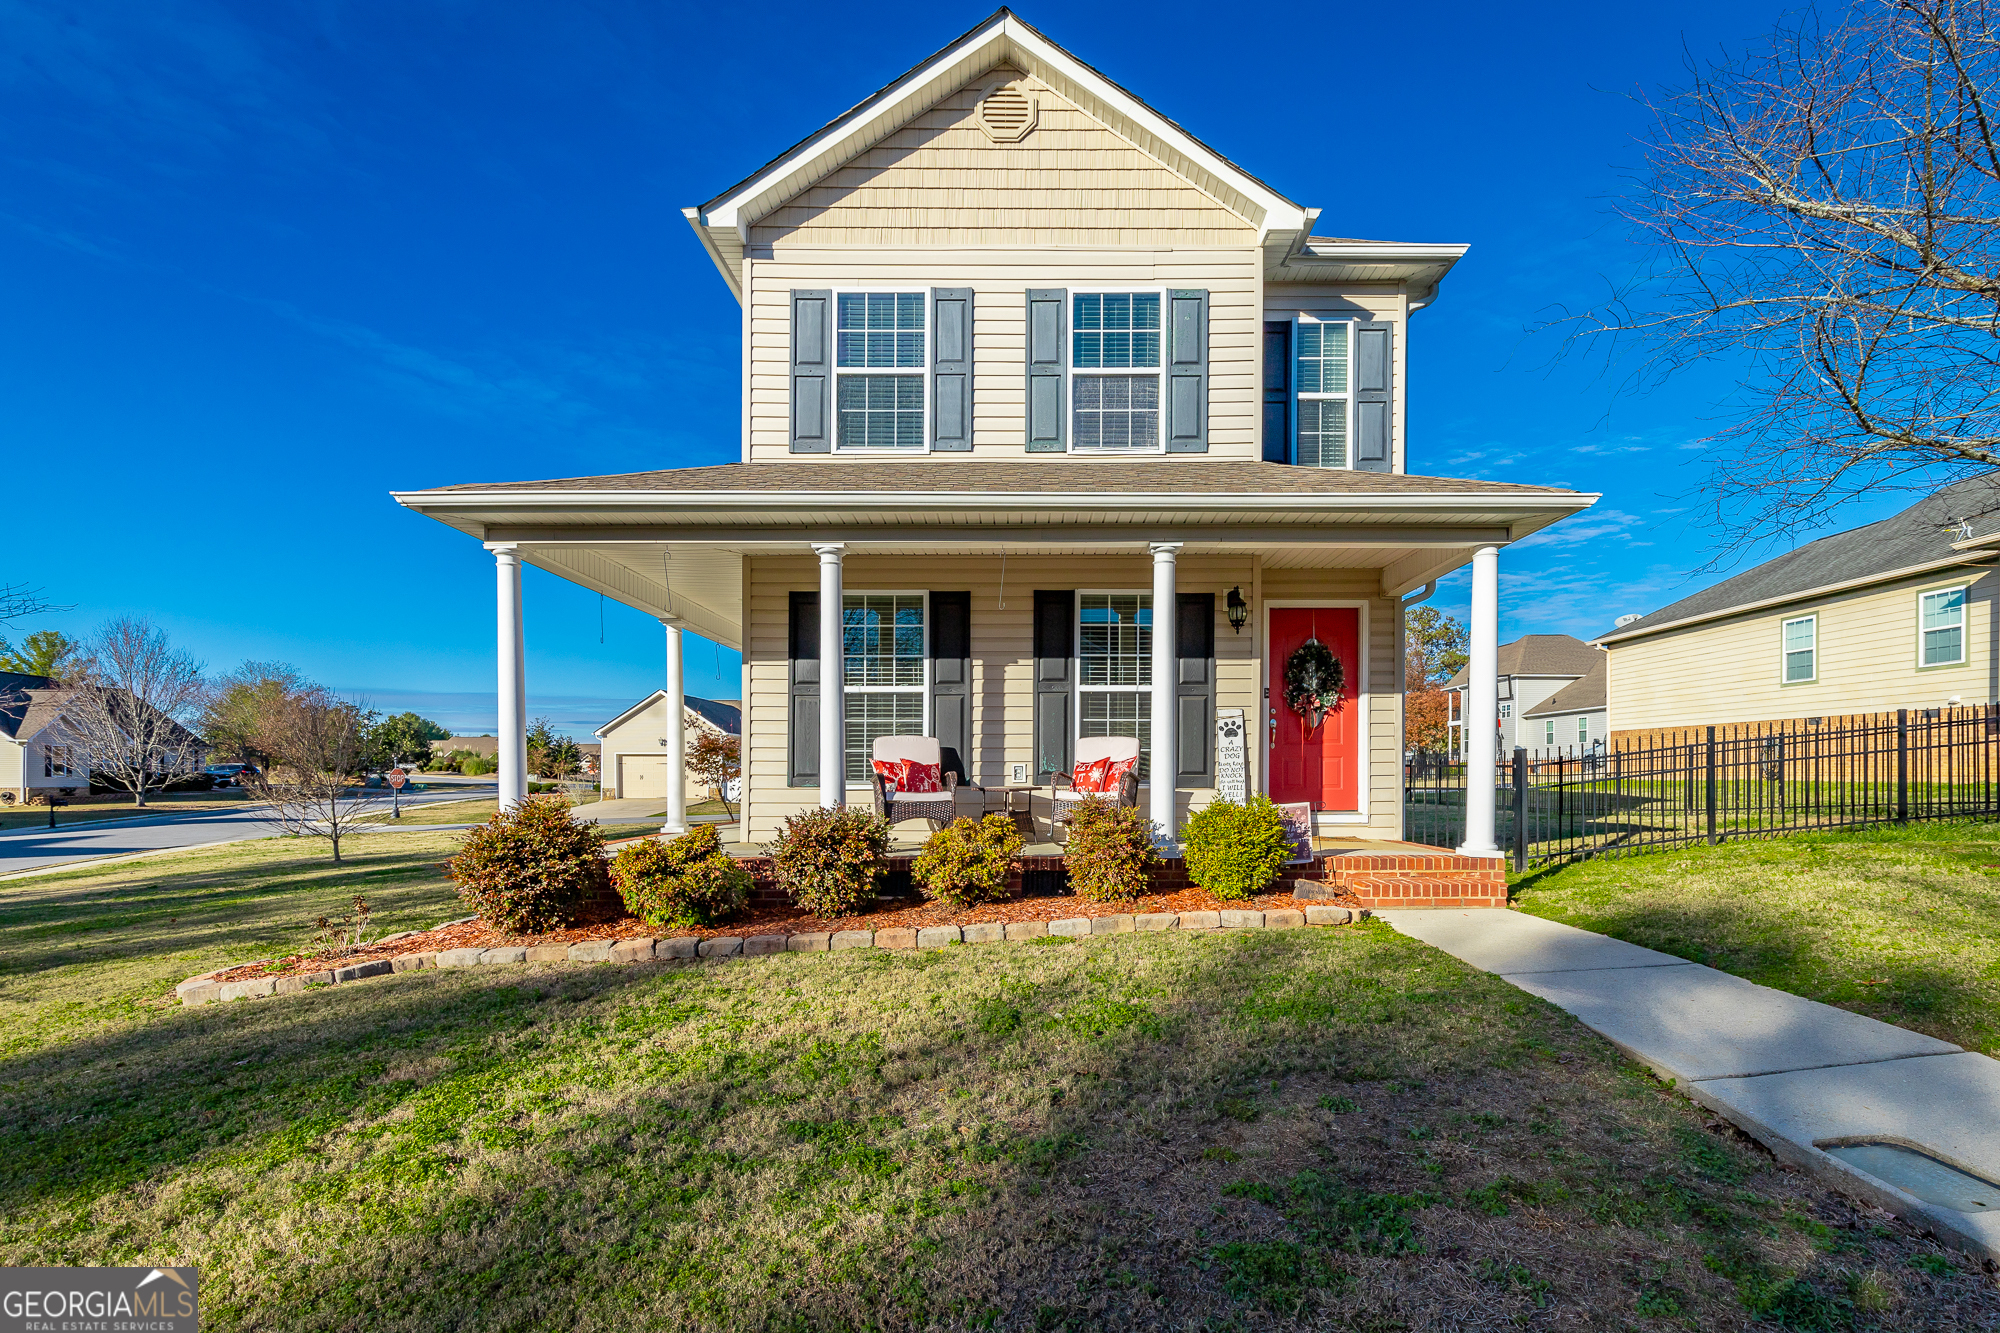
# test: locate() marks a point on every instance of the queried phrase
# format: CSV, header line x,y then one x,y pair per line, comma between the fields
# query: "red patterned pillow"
x,y
1090,776
1114,776
895,772
921,777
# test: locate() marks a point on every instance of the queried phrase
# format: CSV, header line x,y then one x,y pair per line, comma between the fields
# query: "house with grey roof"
x,y
1056,425
1528,672
1570,721
35,762
639,761
1894,614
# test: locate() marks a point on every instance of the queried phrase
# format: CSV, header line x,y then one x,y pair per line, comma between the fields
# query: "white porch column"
x,y
832,698
512,655
1165,756
1482,717
677,822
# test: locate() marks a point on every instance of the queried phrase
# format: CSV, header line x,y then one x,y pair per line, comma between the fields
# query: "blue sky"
x,y
264,262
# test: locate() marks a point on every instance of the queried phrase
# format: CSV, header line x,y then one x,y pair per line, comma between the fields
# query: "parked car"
x,y
230,775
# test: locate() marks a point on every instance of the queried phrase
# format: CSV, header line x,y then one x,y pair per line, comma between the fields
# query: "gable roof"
x,y
1004,38
1585,694
725,716
1540,655
1924,537
28,703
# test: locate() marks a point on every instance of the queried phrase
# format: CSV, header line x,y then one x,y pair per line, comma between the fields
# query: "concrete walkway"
x,y
1829,1090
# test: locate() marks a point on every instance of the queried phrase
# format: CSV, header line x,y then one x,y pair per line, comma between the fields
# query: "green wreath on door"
x,y
1315,684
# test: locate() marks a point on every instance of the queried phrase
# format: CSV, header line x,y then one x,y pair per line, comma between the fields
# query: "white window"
x,y
1801,649
1322,378
1549,732
1583,729
57,761
1506,710
1941,627
886,672
1114,366
1114,668
880,382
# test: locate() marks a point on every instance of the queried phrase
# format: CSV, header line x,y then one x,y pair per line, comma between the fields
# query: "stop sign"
x,y
397,777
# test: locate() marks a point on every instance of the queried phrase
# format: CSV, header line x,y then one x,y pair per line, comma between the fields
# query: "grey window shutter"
x,y
1187,372
812,372
951,368
1055,680
1372,368
1194,688
802,715
951,680
1048,369
1278,391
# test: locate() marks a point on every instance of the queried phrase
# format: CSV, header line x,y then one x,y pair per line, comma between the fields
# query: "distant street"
x,y
36,849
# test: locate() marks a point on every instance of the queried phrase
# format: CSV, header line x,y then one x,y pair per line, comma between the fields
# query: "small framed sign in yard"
x,y
1299,828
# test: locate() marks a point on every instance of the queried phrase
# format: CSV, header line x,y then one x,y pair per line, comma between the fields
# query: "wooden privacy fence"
x,y
1707,784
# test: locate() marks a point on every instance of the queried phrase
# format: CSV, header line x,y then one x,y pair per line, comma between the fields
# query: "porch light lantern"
x,y
1239,610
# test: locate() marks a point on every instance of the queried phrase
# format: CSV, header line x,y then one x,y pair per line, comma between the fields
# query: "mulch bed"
x,y
616,924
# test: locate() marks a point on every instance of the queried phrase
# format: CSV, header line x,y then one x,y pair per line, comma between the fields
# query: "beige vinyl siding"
x,y
1000,280
1003,656
1378,301
940,181
1731,670
11,761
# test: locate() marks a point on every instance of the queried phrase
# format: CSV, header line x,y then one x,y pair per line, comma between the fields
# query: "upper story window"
x,y
1115,371
1322,391
1801,649
879,369
1941,627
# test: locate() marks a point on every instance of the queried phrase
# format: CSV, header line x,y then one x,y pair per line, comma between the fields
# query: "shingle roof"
x,y
1541,655
727,716
1921,534
27,704
1059,474
1582,695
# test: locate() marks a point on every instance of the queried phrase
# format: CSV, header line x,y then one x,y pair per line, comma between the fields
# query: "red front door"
x,y
1321,765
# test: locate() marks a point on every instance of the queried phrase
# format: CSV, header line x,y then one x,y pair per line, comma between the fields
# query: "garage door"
x,y
644,776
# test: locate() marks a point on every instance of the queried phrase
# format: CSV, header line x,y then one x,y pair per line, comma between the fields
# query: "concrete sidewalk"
x,y
1839,1094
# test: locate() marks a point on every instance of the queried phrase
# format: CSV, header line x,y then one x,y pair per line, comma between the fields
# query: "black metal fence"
x,y
1714,783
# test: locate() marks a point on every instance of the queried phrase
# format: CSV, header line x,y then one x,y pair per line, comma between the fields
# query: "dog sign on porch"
x,y
1232,772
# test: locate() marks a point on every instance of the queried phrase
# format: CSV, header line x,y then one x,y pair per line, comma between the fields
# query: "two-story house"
x,y
1532,671
1056,424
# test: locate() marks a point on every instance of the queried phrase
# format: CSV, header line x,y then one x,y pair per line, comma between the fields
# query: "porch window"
x,y
1941,617
1115,340
884,671
1801,638
1114,659
879,366
1323,397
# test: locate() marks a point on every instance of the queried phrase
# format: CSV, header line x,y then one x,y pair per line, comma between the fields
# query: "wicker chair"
x,y
937,808
1063,799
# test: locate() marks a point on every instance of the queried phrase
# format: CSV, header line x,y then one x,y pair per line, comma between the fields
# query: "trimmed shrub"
x,y
968,860
1110,853
530,868
1234,850
689,881
476,766
831,860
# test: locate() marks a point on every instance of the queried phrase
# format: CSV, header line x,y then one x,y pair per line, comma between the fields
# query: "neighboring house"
x,y
486,747
1031,375
1533,668
1897,614
638,757
1571,719
35,763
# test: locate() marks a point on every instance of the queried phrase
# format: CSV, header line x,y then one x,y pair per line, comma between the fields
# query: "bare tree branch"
x,y
126,705
319,750
18,601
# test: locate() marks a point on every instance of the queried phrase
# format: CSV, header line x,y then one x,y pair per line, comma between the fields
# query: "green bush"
x,y
830,860
1234,850
689,881
530,868
968,860
476,765
1110,853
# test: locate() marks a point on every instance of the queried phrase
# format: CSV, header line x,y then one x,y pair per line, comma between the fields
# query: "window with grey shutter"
x,y
1187,372
1055,679
1372,369
951,369
951,680
1194,688
1048,369
1278,391
802,679
1323,386
812,371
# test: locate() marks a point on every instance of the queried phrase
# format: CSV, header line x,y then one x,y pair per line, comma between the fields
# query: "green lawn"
x,y
479,811
1899,923
1236,1130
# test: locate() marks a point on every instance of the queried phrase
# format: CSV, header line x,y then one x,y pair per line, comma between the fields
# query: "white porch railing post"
x,y
832,697
1165,758
1482,713
513,695
677,822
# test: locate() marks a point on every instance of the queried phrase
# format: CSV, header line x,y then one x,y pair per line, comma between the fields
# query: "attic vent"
x,y
1007,114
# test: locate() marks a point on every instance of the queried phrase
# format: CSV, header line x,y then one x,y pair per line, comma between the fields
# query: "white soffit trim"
x,y
1250,500
1004,40
630,713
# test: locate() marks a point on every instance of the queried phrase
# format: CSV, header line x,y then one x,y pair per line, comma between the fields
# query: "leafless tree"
x,y
18,600
1826,212
126,705
319,751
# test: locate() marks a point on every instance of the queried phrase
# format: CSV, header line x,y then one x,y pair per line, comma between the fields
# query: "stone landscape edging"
x,y
204,989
